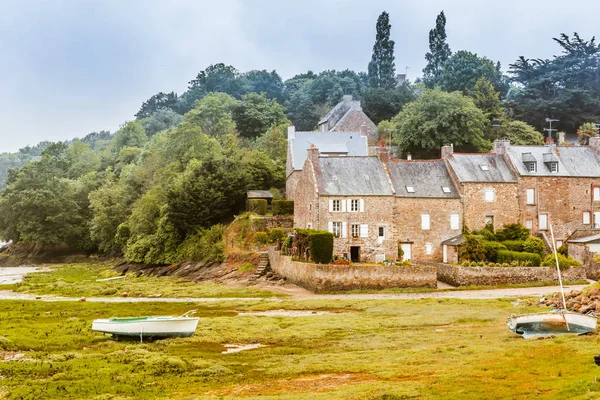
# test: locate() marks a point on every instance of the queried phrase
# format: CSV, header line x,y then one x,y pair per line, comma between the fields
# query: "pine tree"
x,y
382,70
439,52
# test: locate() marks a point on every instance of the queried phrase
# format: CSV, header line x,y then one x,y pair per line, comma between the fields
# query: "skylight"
x,y
445,189
484,167
410,189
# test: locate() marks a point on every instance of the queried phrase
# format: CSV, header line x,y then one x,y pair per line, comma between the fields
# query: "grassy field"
x,y
384,350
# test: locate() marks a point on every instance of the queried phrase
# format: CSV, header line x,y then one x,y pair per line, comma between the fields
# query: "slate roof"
x,y
259,194
579,161
346,102
468,168
454,241
427,178
349,143
352,176
586,239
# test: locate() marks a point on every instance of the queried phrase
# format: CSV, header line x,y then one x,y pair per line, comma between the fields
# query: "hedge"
x,y
563,262
491,250
534,245
258,206
321,246
472,249
514,245
283,207
506,256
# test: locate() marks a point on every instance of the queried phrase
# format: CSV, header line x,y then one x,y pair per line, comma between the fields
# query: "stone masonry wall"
x,y
291,184
306,207
504,209
357,121
327,277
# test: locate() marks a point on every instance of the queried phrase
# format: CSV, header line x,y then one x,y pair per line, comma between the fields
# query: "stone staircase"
x,y
263,265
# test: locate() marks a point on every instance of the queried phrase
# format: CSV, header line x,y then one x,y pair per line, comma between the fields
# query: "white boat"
x,y
555,322
148,327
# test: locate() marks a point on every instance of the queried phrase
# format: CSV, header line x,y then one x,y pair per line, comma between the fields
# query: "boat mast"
x,y
562,290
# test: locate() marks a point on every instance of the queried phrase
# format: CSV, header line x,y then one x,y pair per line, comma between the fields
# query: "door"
x,y
355,253
596,219
406,248
445,254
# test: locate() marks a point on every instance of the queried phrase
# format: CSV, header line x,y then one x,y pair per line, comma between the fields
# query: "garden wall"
x,y
267,223
328,277
466,276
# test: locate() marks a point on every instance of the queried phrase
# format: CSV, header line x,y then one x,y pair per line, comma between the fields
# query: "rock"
x,y
585,300
124,294
83,299
155,296
584,309
575,307
593,292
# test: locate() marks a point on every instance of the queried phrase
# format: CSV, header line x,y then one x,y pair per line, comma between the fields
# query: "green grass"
x,y
80,279
433,349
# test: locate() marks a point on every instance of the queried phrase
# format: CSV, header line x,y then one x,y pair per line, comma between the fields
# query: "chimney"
x,y
408,156
501,146
291,131
561,138
383,154
447,150
313,154
594,144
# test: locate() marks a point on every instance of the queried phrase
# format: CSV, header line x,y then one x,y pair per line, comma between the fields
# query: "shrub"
x,y
472,249
514,245
491,250
400,251
564,250
320,244
287,243
276,194
512,232
206,244
283,207
276,234
530,259
564,262
258,206
534,245
248,267
487,233
261,238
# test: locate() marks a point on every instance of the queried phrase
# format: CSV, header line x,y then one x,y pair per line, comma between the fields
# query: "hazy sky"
x,y
72,67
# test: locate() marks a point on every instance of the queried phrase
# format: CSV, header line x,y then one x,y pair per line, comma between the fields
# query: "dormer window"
x,y
553,167
410,189
445,189
551,162
484,167
529,161
531,166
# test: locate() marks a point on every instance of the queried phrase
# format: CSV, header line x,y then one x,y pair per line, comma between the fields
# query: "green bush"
x,y
283,207
258,206
276,234
206,244
472,249
512,232
287,243
321,246
514,245
507,256
491,250
248,267
400,251
564,262
487,233
564,250
261,238
534,245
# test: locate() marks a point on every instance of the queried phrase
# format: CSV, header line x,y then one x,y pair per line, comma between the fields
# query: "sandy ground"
x,y
10,275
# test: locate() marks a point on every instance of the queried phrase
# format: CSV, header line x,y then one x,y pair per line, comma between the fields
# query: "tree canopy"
x,y
439,52
382,70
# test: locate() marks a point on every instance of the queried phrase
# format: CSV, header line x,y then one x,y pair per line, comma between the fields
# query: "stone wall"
x,y
327,277
504,209
261,224
467,276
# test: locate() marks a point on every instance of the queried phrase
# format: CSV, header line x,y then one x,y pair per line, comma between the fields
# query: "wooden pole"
x,y
562,290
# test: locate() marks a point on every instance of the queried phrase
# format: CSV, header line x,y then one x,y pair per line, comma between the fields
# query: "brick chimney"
x,y
561,138
501,146
594,144
383,154
313,154
447,150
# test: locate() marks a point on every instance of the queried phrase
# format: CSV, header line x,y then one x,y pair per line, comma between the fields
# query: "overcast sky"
x,y
72,67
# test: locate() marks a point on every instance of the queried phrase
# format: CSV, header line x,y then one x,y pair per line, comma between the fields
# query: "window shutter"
x,y
348,205
344,229
364,230
362,205
596,194
330,226
425,221
454,221
586,217
330,205
343,202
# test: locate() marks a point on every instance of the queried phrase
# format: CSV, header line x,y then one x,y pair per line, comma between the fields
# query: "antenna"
x,y
549,130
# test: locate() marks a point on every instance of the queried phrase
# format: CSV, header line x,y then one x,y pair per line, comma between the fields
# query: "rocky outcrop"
x,y
577,300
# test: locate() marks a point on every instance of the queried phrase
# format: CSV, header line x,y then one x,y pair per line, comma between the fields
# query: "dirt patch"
x,y
11,275
302,384
284,313
7,356
236,348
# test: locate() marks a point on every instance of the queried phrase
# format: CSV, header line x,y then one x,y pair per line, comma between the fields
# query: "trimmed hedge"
x,y
321,246
261,238
506,256
491,250
563,262
512,232
514,245
258,206
276,234
283,207
534,245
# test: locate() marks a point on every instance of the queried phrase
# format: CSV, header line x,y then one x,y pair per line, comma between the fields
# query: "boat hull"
x,y
551,324
150,327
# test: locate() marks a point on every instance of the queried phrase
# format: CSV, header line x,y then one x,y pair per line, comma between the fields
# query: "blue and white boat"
x,y
148,327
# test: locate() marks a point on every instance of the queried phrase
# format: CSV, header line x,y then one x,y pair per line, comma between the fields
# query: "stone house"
x,y
488,188
331,144
348,116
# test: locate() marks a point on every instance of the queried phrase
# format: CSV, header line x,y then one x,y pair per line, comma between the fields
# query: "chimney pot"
x,y
561,138
409,156
501,146
383,154
447,150
594,144
313,153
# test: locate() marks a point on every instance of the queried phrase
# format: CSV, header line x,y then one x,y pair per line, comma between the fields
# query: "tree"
x,y
215,78
131,134
161,120
302,110
586,131
212,114
439,52
160,101
254,114
269,83
463,69
381,104
521,133
382,71
437,118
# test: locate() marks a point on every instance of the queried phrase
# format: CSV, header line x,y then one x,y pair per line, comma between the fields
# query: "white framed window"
x,y
586,218
489,220
428,248
336,206
381,231
597,194
559,243
355,230
446,189
454,221
354,205
529,224
531,167
309,225
543,221
554,167
530,196
410,189
364,230
489,195
484,167
425,222
336,228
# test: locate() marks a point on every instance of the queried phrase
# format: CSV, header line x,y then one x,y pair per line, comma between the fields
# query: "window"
x,y
410,189
530,196
354,205
364,230
559,243
543,222
336,206
529,224
531,166
425,222
586,218
428,248
381,231
484,167
489,220
309,225
337,229
553,167
445,189
454,221
355,230
597,194
489,195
